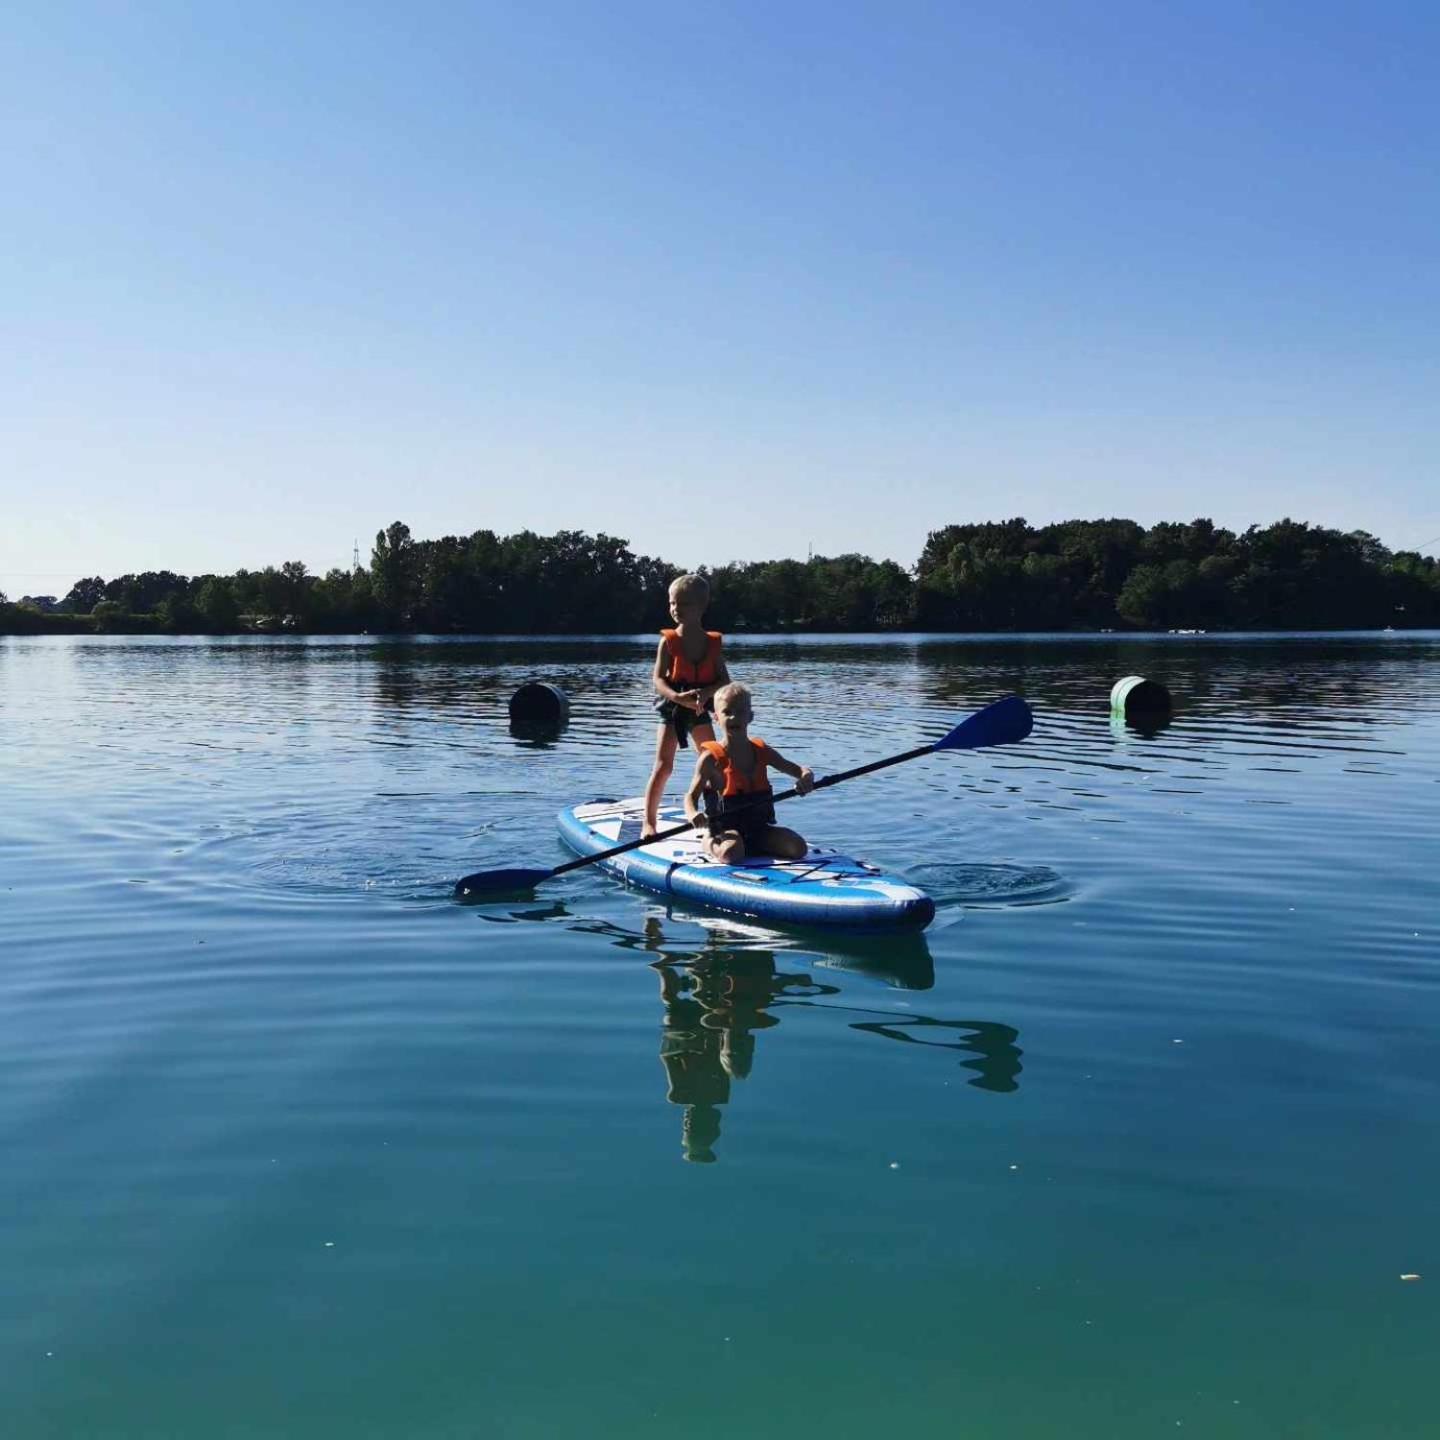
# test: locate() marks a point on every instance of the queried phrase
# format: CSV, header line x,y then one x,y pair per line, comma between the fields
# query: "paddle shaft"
x,y
674,830
869,769
621,849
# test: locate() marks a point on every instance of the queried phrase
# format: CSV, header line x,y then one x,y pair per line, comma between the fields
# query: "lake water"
x,y
1140,1136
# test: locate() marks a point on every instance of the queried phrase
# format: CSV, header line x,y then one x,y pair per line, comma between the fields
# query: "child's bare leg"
x,y
701,732
727,847
659,776
783,844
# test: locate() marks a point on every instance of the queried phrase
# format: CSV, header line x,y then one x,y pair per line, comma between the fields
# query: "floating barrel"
x,y
537,702
1136,698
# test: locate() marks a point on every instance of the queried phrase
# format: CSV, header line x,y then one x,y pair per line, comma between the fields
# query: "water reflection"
x,y
441,691
714,1000
715,1003
711,1013
1146,727
1232,675
997,1057
717,995
537,734
1291,680
902,960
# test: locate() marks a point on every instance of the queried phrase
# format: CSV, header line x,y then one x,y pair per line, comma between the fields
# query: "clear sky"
x,y
729,280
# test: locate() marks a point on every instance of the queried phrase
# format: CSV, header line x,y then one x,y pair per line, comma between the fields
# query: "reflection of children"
x,y
696,1078
731,780
688,672
708,1039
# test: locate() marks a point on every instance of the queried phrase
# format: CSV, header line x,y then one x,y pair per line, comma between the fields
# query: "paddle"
x,y
1002,723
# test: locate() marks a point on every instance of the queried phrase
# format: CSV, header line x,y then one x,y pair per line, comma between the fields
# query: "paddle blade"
x,y
1002,723
488,883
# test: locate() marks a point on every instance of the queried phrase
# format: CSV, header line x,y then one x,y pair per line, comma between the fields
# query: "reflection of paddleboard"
x,y
825,888
901,959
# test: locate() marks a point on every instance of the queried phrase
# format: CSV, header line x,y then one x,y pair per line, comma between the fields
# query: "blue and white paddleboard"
x,y
825,888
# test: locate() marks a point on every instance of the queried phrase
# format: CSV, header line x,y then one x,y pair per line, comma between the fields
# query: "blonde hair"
x,y
734,691
691,585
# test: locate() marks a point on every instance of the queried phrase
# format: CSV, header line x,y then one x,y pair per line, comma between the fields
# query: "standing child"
x,y
688,672
732,782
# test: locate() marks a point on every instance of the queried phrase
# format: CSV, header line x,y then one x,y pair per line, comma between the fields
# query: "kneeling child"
x,y
731,783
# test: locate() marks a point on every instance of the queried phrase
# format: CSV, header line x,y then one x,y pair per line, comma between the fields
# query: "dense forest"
x,y
1076,575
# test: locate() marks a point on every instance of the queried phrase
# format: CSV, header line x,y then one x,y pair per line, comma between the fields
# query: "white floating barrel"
x,y
1135,698
538,702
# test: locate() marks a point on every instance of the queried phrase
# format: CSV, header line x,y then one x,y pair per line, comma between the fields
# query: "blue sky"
x,y
730,281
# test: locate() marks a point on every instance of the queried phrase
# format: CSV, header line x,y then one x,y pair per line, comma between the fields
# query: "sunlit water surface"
x,y
1140,1136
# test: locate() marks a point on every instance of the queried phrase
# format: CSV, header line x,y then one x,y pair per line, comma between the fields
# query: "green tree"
x,y
84,595
141,594
1163,597
107,614
297,584
177,613
394,573
272,593
215,605
1412,589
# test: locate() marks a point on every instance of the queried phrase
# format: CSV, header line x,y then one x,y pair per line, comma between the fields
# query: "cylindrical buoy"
x,y
539,701
1135,698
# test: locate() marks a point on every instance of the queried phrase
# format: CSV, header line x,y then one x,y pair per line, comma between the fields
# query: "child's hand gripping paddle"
x,y
1003,723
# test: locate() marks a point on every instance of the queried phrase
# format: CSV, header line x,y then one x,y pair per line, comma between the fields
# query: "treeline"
x,y
1099,574
1076,575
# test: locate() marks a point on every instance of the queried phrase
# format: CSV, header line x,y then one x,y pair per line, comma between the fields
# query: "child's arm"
x,y
704,778
801,774
660,676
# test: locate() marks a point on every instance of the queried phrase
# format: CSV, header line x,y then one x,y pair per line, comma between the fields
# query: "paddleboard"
x,y
825,888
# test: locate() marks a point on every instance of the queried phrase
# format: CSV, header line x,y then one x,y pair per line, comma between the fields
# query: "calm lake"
x,y
1140,1135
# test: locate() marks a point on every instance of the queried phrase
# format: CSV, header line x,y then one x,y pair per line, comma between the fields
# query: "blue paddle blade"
x,y
1002,723
498,882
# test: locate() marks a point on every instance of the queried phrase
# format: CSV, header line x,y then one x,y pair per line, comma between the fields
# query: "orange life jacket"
x,y
684,671
756,783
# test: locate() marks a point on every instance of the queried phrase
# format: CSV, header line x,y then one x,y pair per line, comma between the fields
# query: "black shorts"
x,y
749,819
681,718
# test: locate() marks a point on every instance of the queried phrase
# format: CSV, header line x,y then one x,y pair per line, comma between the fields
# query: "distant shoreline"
x,y
1080,576
147,626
